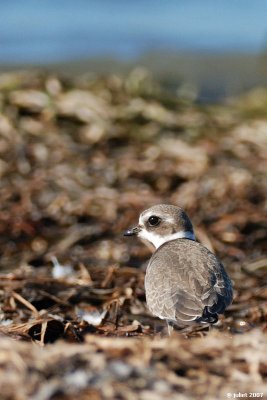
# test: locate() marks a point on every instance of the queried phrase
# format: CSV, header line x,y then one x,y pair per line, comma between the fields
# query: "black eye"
x,y
153,220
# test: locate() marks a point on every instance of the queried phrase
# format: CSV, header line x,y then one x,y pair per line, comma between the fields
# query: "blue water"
x,y
58,30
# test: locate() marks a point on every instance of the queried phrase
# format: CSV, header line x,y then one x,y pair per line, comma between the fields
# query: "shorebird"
x,y
185,283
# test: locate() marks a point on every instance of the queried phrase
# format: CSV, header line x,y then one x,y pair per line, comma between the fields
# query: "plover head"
x,y
162,223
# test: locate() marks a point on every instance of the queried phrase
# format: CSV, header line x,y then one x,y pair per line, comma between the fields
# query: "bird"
x,y
185,283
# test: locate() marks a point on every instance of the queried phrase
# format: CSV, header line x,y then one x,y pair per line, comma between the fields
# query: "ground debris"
x,y
131,368
79,159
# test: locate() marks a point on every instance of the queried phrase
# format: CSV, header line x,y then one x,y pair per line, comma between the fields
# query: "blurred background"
x,y
107,108
218,48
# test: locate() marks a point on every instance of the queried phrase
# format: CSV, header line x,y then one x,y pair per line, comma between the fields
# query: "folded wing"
x,y
189,285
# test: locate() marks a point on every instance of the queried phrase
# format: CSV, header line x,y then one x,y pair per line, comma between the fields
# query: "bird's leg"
x,y
170,327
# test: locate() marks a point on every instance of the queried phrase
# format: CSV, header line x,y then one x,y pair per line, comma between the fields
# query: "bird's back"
x,y
186,283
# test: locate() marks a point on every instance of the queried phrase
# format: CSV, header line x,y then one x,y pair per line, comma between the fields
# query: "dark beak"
x,y
132,232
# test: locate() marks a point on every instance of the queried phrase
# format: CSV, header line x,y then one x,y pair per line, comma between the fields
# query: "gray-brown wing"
x,y
183,277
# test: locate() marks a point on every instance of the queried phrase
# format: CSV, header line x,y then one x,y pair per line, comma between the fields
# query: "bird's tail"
x,y
208,317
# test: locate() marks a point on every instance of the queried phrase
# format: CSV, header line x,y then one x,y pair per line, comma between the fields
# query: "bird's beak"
x,y
132,232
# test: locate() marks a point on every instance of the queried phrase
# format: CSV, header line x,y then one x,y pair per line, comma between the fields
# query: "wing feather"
x,y
183,277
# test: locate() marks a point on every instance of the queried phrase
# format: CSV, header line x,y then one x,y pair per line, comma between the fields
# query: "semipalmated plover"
x,y
185,283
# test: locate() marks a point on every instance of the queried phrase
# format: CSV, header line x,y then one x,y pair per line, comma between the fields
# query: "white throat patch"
x,y
158,240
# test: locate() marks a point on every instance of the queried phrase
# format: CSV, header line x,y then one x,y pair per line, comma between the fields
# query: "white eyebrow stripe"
x,y
158,240
142,218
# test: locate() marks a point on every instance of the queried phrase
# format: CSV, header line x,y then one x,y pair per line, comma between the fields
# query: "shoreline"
x,y
213,77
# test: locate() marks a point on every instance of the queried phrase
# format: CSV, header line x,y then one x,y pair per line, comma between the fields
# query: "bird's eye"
x,y
153,220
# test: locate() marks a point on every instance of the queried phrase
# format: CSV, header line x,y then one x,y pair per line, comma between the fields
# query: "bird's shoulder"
x,y
184,254
187,265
